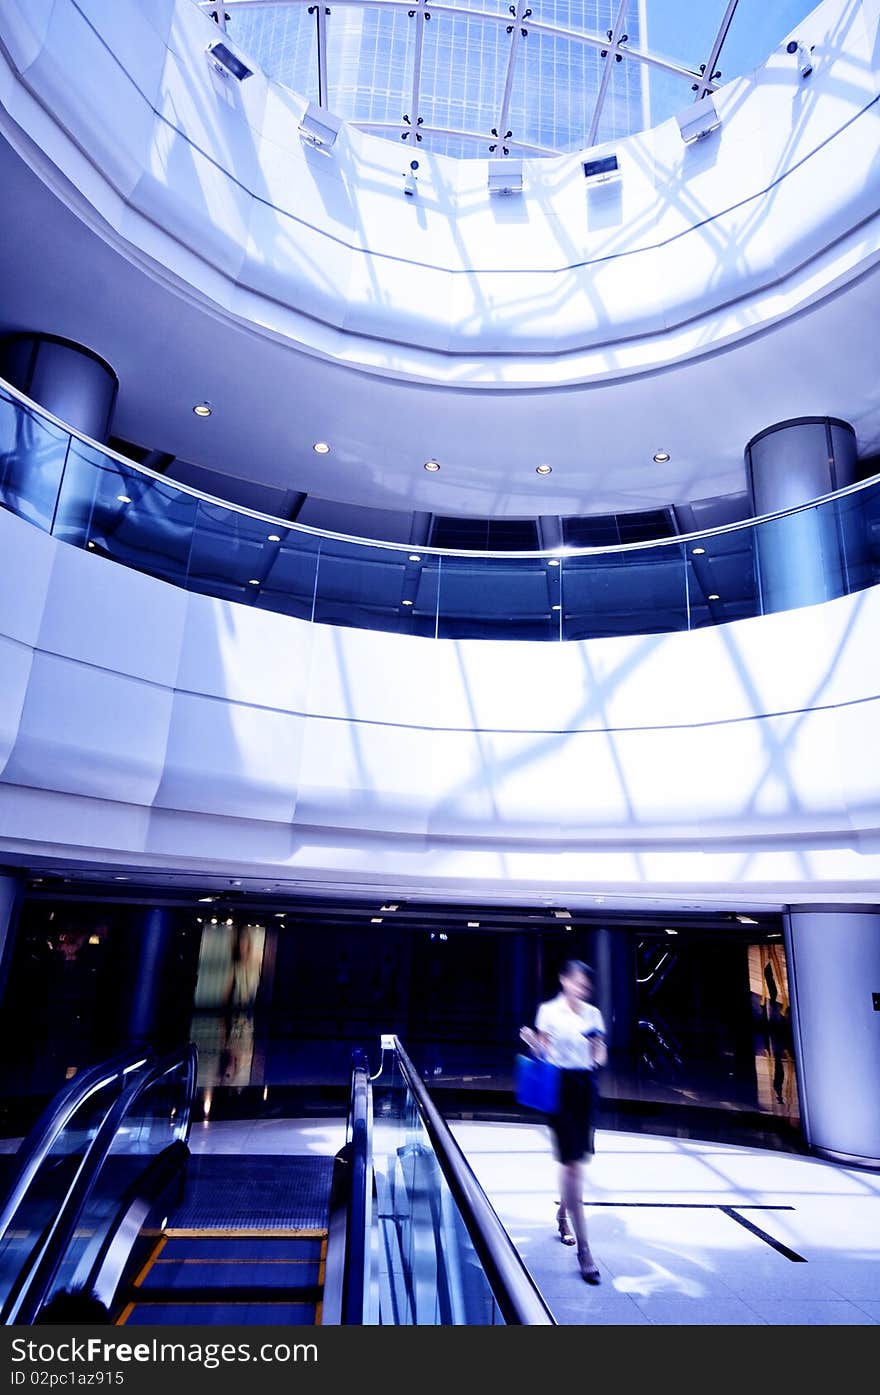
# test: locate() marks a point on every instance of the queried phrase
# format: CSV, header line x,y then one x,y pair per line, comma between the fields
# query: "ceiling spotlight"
x,y
227,63
123,499
698,551
203,409
391,906
554,562
254,581
505,176
746,920
661,457
375,920
406,602
543,469
699,120
321,448
714,596
120,879
90,543
804,57
432,465
672,932
473,925
414,557
319,128
556,607
273,537
205,899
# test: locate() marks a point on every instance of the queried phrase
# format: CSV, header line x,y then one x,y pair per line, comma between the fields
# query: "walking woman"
x,y
569,1031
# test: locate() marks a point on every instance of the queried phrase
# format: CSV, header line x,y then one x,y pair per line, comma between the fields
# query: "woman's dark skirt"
x,y
572,1128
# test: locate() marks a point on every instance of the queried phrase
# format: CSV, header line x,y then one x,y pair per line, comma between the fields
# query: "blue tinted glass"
x,y
721,579
117,512
32,454
376,588
639,592
499,598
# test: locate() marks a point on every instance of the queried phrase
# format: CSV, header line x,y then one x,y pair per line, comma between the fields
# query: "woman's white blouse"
x,y
566,1030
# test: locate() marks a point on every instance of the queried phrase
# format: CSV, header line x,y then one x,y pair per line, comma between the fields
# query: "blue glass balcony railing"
x,y
91,497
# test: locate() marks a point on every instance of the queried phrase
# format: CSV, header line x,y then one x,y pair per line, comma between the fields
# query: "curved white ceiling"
x,y
716,288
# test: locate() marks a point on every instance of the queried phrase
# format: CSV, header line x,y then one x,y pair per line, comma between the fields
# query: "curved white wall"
x,y
148,727
699,246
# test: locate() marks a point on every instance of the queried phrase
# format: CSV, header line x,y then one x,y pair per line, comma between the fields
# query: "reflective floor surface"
x,y
684,1232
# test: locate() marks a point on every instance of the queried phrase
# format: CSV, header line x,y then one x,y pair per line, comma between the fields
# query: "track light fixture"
x,y
227,63
319,128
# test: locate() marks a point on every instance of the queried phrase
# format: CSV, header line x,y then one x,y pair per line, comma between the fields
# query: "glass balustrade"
x,y
427,1272
93,499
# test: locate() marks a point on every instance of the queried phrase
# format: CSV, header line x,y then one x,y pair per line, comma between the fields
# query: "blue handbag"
x,y
537,1084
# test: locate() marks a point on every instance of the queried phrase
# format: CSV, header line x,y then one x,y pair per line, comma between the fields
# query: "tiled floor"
x,y
667,1252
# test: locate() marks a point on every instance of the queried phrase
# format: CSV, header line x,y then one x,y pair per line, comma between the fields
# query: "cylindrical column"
x,y
804,558
834,979
10,900
70,381
149,958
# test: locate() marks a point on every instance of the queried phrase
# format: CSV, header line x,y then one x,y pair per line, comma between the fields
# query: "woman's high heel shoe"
x,y
589,1273
565,1234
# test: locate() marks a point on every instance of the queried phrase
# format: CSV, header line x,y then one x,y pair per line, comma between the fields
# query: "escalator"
x,y
111,1218
248,1244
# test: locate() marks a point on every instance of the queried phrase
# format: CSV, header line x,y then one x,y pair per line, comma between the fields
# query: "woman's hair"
x,y
575,966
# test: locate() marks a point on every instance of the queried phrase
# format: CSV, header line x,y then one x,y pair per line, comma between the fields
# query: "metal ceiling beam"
x,y
516,32
610,58
707,84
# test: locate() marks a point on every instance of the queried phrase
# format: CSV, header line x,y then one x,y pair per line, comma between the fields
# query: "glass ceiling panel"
x,y
756,29
554,92
464,64
681,30
662,94
370,63
284,43
555,81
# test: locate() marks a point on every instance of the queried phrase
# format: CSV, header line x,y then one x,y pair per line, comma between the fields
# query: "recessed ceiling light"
x,y
554,562
279,915
432,465
375,920
120,879
414,557
714,596
90,543
543,469
254,581
698,551
661,456
205,900
672,932
273,537
473,925
123,499
556,607
321,448
746,920
406,602
229,922
203,409
392,906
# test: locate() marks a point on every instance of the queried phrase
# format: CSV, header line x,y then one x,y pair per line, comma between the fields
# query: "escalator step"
x,y
205,1245
240,1273
265,1191
211,1312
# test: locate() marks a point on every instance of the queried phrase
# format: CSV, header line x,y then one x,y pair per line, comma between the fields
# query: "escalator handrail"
x,y
516,1293
359,1130
58,1113
32,1287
